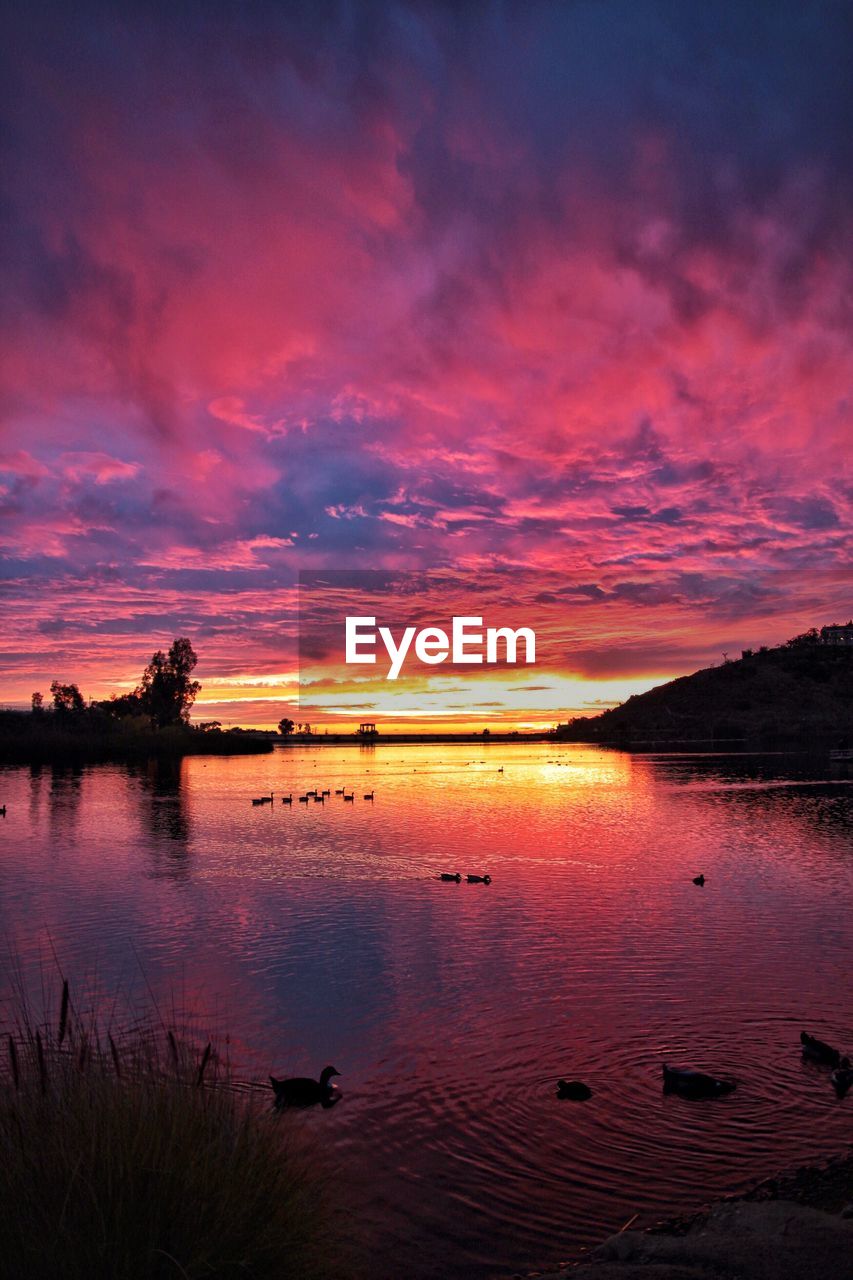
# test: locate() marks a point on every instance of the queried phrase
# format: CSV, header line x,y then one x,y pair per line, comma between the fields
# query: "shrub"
x,y
137,1155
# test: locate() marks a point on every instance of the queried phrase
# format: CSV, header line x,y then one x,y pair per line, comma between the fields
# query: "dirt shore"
x,y
798,1226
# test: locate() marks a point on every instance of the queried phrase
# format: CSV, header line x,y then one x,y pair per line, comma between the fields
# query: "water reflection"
x,y
323,934
163,807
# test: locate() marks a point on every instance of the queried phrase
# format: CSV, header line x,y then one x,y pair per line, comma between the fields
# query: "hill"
x,y
797,693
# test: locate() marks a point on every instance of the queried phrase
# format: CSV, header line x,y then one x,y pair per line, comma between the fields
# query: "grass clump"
x,y
137,1154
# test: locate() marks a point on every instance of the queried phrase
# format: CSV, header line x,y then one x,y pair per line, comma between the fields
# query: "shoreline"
x,y
815,1203
703,746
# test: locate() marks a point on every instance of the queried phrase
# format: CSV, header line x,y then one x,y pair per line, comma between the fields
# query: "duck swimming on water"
x,y
451,875
575,1090
479,879
694,1084
700,880
300,1091
820,1051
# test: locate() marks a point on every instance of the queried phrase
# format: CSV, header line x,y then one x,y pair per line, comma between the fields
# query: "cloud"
x,y
553,287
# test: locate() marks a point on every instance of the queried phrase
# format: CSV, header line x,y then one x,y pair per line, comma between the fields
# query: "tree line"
x,y
164,695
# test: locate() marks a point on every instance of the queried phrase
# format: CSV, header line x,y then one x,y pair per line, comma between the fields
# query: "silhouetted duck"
x,y
819,1051
263,799
2,811
694,1084
451,875
350,797
287,799
479,879
303,799
842,1078
576,1090
368,795
340,791
300,1091
700,880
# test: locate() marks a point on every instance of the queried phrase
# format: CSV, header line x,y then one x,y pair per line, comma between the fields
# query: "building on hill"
x,y
837,634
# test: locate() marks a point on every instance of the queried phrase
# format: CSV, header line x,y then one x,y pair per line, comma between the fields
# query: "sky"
x,y
549,295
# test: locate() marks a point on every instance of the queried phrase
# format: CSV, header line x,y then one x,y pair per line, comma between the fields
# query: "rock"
x,y
767,1240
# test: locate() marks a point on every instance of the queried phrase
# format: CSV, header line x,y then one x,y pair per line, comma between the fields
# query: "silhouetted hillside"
x,y
798,692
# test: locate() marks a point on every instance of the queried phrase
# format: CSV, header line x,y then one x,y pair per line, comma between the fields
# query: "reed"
x,y
63,1012
126,1154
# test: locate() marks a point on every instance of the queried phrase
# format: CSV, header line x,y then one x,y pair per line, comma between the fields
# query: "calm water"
x,y
320,934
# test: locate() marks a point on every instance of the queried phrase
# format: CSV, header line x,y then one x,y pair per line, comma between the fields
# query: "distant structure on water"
x,y
367,730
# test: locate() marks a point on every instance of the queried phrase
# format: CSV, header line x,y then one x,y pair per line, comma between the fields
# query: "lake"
x,y
320,934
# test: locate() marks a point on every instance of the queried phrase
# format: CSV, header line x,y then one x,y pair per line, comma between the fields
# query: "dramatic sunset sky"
x,y
552,296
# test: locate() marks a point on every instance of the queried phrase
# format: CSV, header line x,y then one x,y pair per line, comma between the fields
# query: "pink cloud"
x,y
279,303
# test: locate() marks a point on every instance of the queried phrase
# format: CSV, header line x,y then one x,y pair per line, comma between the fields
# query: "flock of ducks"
x,y
696,1084
303,1092
300,1091
319,797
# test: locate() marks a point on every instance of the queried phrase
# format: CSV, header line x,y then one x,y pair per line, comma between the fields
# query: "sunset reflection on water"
x,y
321,932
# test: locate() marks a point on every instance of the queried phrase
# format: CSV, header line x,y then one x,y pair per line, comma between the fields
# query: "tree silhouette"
x,y
121,705
167,693
286,727
67,699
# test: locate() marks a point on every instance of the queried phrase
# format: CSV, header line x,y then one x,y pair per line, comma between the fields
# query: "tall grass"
x,y
135,1153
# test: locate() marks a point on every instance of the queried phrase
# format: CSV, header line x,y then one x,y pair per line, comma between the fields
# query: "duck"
x,y
303,799
327,792
2,811
479,879
451,875
842,1078
820,1051
263,799
575,1090
694,1084
700,880
287,799
339,791
368,795
350,797
300,1091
